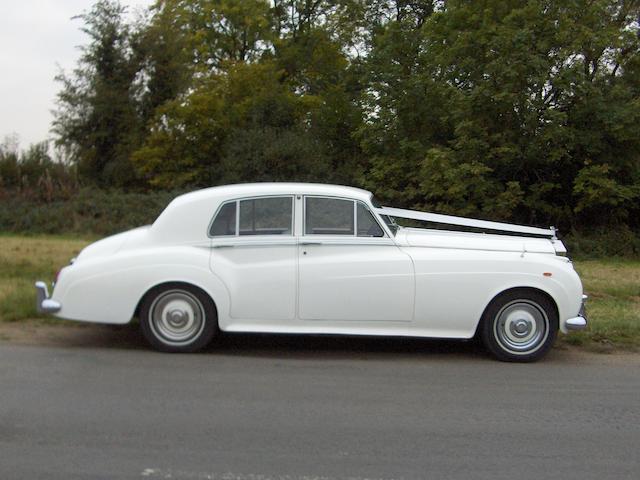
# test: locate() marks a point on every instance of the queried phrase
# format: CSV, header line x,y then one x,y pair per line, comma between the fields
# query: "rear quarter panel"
x,y
108,289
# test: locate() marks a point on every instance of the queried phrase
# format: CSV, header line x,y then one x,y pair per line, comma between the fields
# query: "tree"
x,y
493,108
518,110
96,120
242,125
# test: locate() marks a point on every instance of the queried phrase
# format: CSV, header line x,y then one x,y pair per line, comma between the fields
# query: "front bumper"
x,y
44,304
579,322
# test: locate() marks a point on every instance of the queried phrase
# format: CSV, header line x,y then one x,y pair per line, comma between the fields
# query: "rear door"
x,y
254,252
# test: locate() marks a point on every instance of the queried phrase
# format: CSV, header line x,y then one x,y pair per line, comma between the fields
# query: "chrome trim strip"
x,y
43,303
291,242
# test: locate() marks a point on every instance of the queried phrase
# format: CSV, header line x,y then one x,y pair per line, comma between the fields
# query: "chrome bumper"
x,y
579,322
43,303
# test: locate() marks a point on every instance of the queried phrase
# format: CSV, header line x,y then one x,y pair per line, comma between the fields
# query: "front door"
x,y
349,269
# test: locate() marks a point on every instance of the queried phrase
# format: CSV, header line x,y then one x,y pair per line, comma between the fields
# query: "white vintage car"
x,y
322,259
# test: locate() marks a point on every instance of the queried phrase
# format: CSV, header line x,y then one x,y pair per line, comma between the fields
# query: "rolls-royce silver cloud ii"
x,y
323,259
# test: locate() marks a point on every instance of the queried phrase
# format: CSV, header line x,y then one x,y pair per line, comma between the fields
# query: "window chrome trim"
x,y
251,241
237,202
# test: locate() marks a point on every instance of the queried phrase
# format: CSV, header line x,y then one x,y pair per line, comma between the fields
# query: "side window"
x,y
225,222
328,216
367,225
266,216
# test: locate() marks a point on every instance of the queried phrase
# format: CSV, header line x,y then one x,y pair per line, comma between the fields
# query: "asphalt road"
x,y
263,408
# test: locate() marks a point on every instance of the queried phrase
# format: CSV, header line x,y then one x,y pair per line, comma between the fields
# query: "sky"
x,y
37,37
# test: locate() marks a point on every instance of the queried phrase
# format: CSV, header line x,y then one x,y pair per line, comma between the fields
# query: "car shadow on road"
x,y
341,346
129,337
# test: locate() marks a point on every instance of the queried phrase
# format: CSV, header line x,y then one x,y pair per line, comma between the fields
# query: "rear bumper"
x,y
44,304
579,322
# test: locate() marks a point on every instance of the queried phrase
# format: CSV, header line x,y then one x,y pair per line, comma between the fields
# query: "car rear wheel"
x,y
520,326
178,318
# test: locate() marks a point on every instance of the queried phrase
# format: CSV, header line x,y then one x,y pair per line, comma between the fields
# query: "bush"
x,y
94,212
87,212
618,241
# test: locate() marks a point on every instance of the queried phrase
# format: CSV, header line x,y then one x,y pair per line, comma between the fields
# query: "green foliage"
x,y
512,110
96,121
596,190
88,212
511,97
603,242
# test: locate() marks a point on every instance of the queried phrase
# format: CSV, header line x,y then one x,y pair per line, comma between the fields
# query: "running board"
x,y
466,222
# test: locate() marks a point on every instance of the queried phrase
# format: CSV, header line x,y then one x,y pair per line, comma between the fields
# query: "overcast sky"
x,y
35,37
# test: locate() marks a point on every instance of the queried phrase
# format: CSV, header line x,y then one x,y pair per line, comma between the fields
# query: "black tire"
x,y
178,318
519,326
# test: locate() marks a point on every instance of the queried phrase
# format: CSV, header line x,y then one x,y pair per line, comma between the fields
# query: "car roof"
x,y
187,216
225,192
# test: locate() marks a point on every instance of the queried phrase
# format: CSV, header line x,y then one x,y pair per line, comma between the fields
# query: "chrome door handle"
x,y
223,245
310,243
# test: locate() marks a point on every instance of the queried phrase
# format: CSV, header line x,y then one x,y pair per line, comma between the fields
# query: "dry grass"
x,y
613,287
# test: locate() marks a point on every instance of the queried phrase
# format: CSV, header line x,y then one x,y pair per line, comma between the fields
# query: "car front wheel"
x,y
520,326
178,318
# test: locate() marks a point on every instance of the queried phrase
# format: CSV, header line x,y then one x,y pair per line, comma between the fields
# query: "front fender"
x,y
563,286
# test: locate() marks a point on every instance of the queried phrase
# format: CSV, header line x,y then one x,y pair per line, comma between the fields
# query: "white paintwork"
x,y
257,272
419,282
351,280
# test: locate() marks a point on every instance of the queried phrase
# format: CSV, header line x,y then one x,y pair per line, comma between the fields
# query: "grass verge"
x,y
613,307
613,287
23,260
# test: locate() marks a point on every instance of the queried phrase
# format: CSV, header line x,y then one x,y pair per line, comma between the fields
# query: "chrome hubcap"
x,y
521,327
176,317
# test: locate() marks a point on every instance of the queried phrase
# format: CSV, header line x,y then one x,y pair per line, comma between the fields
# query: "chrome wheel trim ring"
x,y
521,327
176,317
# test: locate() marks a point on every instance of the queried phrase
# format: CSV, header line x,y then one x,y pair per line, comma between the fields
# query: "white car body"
x,y
414,282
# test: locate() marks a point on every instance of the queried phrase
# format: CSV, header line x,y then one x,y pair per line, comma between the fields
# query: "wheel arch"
x,y
176,283
516,289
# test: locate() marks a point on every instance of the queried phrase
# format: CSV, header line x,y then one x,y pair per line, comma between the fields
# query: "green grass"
x,y
613,307
23,260
613,287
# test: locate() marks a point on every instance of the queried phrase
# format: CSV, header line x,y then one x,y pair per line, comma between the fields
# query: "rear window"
x,y
266,216
255,216
225,222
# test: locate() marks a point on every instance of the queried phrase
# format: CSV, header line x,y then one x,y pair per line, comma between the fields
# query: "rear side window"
x,y
266,216
328,216
256,216
225,222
